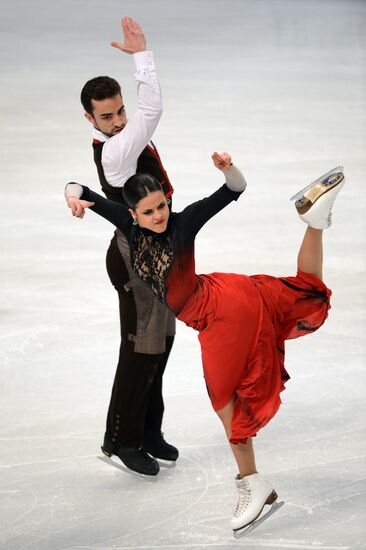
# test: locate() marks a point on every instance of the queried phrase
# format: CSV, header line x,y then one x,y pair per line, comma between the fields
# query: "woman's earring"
x,y
168,201
134,222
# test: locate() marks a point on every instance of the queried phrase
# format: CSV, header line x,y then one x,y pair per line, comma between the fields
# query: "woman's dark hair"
x,y
138,186
100,87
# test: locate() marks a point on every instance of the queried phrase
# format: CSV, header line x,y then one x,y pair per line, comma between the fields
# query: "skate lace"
x,y
329,217
244,499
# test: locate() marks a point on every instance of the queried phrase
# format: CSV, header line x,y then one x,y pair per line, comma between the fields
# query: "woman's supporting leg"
x,y
243,453
254,492
310,258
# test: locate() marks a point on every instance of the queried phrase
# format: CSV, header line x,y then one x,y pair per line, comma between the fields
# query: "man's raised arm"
x,y
120,152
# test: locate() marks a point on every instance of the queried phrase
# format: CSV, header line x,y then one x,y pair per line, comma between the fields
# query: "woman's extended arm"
x,y
79,198
234,178
198,213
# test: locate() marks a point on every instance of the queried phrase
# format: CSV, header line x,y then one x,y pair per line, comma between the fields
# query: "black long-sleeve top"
x,y
165,261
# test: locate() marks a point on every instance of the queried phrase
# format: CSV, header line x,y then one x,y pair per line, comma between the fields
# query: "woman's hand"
x,y
78,206
222,161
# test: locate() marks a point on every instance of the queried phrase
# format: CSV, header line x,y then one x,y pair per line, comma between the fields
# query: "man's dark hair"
x,y
138,186
100,87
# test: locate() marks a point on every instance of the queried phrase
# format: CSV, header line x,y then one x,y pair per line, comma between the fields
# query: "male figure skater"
x,y
121,148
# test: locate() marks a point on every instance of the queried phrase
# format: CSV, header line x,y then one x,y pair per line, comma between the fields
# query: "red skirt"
x,y
243,322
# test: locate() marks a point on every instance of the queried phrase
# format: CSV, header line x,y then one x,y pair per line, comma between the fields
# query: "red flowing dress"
x,y
242,321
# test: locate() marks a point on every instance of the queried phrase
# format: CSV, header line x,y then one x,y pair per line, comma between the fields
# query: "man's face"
x,y
109,115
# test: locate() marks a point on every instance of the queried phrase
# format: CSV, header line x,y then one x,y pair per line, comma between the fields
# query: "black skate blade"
x,y
264,515
124,469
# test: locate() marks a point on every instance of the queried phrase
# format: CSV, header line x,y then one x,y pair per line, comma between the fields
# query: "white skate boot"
x,y
254,493
314,202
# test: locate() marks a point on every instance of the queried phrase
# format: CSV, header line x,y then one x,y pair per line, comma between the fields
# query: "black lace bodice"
x,y
165,261
151,257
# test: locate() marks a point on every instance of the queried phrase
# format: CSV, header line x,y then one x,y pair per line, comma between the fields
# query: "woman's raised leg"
x,y
310,258
314,206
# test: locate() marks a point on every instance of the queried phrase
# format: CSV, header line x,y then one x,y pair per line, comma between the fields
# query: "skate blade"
x,y
168,464
264,515
338,169
122,468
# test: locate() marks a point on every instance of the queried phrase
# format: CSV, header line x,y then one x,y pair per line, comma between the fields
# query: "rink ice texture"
x,y
281,86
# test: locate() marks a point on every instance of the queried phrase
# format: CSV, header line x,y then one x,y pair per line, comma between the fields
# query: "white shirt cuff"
x,y
143,60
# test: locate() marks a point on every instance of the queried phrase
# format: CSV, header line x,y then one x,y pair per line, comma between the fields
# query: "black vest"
x,y
148,162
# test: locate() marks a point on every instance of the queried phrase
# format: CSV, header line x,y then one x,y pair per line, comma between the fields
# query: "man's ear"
x,y
90,118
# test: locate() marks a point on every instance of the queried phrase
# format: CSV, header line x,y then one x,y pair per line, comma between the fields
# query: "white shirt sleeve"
x,y
120,152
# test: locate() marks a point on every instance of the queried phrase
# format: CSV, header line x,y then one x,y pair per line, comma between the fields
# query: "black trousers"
x,y
136,402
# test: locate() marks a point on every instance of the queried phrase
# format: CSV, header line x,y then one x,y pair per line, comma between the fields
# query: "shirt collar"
x,y
99,136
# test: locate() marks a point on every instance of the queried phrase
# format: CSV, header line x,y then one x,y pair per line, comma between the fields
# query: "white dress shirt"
x,y
120,152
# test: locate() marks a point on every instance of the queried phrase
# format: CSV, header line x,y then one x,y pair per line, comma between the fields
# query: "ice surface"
x,y
281,85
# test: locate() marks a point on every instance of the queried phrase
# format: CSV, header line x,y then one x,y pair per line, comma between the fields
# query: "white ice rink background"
x,y
280,84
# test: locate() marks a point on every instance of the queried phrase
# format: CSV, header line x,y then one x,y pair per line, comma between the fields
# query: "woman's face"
x,y
152,212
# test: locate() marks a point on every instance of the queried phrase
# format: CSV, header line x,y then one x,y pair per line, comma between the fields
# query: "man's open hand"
x,y
134,39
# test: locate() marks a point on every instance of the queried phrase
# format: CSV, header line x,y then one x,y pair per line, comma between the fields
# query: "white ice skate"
x,y
314,202
254,494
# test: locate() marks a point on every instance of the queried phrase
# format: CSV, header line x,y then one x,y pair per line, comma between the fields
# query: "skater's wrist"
x,y
234,179
73,190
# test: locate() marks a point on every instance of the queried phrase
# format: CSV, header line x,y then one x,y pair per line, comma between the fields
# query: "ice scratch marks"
x,y
30,509
51,537
170,518
249,543
47,461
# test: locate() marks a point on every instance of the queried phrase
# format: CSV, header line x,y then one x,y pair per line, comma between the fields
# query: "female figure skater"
x,y
242,320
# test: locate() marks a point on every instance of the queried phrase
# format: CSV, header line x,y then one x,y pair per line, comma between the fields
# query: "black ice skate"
x,y
135,459
155,445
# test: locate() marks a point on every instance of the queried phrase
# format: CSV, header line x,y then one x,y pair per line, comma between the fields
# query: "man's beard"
x,y
109,134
